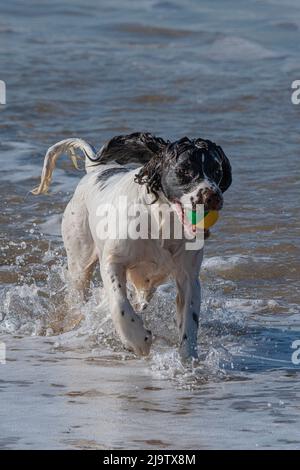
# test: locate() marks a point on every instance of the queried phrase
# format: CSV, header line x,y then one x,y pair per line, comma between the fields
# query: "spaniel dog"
x,y
152,173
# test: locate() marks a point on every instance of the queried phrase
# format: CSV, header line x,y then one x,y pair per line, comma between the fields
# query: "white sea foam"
x,y
36,309
31,308
237,49
224,262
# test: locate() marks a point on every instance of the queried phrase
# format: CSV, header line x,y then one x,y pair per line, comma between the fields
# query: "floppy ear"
x,y
150,175
226,168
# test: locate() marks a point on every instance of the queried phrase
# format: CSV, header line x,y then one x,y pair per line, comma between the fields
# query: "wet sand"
x,y
77,400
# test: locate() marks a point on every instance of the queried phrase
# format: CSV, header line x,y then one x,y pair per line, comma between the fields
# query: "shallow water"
x,y
95,70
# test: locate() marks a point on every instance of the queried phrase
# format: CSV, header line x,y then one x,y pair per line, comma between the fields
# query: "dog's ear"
x,y
150,175
226,168
165,155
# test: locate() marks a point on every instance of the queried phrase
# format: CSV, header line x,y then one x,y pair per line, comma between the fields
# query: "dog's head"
x,y
188,172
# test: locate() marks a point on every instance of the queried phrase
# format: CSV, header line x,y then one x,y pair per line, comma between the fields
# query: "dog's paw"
x,y
142,347
187,350
134,335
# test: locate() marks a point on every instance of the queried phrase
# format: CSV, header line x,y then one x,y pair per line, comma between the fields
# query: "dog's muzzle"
x,y
211,198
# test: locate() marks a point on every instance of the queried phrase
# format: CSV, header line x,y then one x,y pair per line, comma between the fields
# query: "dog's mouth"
x,y
189,228
188,217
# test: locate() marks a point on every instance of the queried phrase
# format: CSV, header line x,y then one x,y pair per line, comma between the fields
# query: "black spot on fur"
x,y
122,313
132,320
119,285
195,318
146,338
184,337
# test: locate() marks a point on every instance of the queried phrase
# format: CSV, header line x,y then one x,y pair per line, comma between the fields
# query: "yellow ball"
x,y
205,221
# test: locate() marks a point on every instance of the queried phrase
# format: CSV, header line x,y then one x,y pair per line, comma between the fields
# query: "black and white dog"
x,y
165,175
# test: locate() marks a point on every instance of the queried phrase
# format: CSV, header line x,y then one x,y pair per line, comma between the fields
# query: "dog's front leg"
x,y
188,309
128,324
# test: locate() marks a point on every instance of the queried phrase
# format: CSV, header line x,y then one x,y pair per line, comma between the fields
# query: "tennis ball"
x,y
203,220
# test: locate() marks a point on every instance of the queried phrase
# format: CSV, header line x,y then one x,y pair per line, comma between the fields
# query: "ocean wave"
x,y
238,49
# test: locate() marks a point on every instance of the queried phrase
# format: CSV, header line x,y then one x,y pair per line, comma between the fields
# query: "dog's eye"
x,y
218,173
185,175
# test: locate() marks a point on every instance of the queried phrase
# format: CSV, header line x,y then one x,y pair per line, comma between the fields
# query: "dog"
x,y
153,173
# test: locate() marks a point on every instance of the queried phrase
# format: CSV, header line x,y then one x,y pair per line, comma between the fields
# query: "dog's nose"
x,y
212,200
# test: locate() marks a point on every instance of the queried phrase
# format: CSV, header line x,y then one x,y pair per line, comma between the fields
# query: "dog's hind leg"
x,y
80,247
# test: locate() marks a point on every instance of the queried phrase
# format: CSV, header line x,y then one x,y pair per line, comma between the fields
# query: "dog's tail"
x,y
64,146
